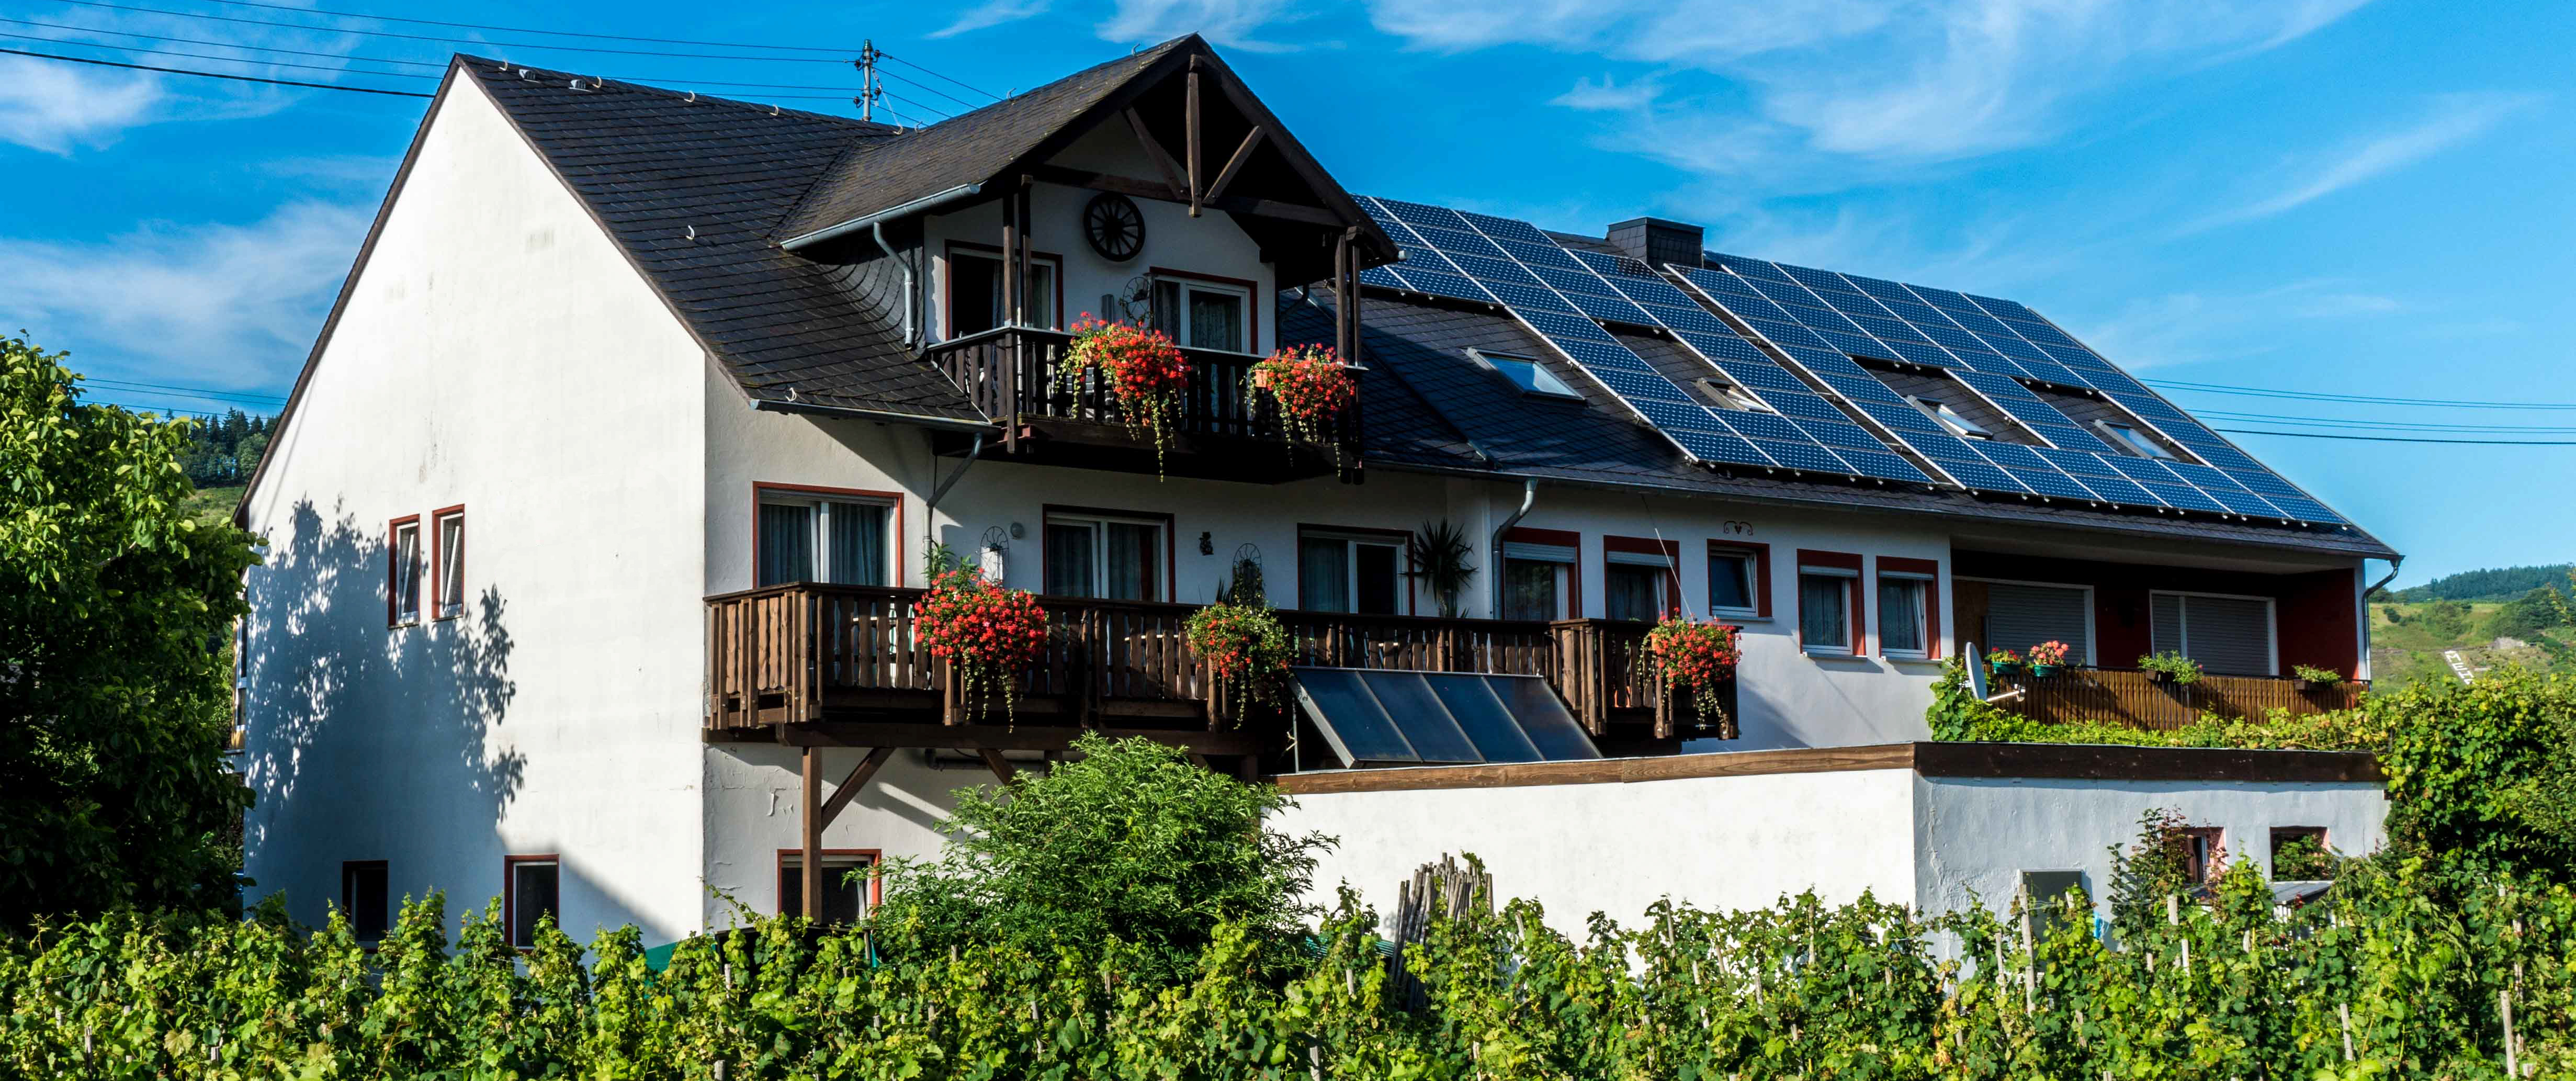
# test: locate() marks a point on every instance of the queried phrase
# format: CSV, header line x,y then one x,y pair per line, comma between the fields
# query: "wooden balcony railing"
x,y
1013,376
798,653
2134,698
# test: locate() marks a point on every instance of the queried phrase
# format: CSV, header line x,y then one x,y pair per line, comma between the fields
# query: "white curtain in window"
x,y
1069,561
1134,554
1216,320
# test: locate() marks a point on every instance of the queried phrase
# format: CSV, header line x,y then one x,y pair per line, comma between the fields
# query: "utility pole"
x,y
869,88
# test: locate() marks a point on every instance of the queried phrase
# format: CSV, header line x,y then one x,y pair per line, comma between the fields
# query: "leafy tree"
x,y
2527,615
2155,866
115,697
1130,842
2444,619
2492,584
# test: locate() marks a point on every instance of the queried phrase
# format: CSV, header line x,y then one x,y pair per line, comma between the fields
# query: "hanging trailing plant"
x,y
1243,646
1142,367
1311,387
985,631
1696,658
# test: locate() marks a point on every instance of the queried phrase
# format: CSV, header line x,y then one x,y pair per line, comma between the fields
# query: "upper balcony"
x,y
824,655
1222,433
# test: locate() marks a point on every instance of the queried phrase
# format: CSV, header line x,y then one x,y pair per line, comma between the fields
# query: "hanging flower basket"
x,y
1244,647
1696,659
987,633
1142,367
1311,387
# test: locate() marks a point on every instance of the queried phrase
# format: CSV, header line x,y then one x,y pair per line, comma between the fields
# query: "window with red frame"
x,y
1831,619
447,563
404,564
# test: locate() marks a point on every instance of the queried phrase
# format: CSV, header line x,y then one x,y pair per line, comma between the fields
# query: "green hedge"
x,y
1864,990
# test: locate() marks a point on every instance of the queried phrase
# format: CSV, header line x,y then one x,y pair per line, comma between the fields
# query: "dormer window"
x,y
1202,312
1524,373
2132,440
1958,425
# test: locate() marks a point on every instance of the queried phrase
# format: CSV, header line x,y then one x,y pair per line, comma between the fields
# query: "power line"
x,y
535,30
2359,399
221,59
2401,425
936,75
207,392
447,40
2407,439
928,89
217,74
910,102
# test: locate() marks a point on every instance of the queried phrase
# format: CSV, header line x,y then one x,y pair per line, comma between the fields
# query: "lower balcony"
x,y
2139,699
810,657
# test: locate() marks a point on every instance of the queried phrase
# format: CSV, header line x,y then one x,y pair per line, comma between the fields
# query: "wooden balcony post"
x,y
1342,290
1192,121
810,836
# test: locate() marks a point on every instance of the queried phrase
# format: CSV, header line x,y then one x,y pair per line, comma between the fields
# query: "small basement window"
x,y
362,899
2129,438
845,894
1527,375
531,891
1949,418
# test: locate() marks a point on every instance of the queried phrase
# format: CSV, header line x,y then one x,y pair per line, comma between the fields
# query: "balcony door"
x,y
1205,313
975,300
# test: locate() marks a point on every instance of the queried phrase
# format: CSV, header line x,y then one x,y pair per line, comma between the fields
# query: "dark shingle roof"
x,y
653,165
964,149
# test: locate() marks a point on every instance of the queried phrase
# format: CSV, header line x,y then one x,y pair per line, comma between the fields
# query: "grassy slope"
x,y
2405,650
212,505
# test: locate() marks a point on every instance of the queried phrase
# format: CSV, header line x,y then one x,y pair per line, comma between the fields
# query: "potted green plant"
x,y
2311,677
1438,558
2046,658
2003,662
2171,667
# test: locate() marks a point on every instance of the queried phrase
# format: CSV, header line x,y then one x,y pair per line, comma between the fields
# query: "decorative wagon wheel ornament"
x,y
1114,226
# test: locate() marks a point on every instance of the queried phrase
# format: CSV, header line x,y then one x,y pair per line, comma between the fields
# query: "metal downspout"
x,y
910,302
1529,498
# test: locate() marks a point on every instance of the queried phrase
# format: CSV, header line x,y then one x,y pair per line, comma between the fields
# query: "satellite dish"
x,y
1976,669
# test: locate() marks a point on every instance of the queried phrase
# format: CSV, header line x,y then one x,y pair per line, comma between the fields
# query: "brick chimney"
x,y
1657,241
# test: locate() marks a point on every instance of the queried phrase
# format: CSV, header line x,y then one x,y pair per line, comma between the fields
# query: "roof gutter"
x,y
768,405
1494,574
2391,576
900,210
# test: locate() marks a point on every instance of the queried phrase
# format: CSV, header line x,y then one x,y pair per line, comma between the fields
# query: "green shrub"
x,y
1129,843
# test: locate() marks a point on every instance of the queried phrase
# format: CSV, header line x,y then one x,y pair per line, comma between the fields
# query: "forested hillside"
x,y
2491,584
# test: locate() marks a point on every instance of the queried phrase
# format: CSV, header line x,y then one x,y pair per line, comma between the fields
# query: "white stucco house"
x,y
597,513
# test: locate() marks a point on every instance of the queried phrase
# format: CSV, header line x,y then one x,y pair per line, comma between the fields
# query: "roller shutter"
x,y
2019,617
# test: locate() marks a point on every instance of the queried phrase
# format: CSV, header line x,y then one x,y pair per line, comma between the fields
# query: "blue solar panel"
x,y
1862,388
1881,464
1680,416
1458,241
1380,277
2052,483
1888,329
1441,284
1635,386
1951,338
1813,278
1981,476
1423,214
1536,256
1529,298
1763,376
1492,270
1763,426
1839,434
1859,345
2306,510
1924,353
2256,480
2117,489
1709,447
2073,438
1610,355
2245,502
1519,232
1904,419
2001,388
1688,319
1804,407
2080,463
2016,456
1556,325
2183,496
1808,456
1616,308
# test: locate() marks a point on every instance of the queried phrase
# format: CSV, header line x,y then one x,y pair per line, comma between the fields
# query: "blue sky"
x,y
2320,196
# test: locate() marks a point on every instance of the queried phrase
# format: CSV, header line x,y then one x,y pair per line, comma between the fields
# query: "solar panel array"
x,y
1823,323
1988,346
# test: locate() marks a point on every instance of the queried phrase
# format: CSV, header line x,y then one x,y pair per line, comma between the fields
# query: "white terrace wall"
x,y
496,352
1978,834
1732,842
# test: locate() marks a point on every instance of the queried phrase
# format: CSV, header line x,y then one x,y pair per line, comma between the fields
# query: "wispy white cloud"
x,y
1231,23
2197,327
2454,120
1608,96
56,108
221,305
1857,82
991,13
